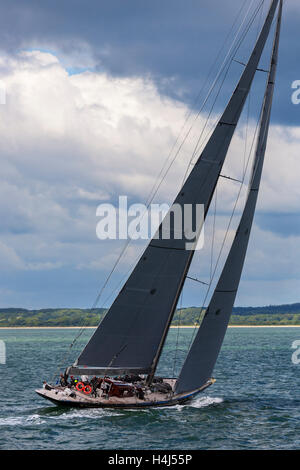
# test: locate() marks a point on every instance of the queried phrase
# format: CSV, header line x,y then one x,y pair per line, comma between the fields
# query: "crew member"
x,y
63,381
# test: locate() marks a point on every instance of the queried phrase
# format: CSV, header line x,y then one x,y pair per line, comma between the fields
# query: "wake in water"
x,y
35,419
202,402
21,420
199,402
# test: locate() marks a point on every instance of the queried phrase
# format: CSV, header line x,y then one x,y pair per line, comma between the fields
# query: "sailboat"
x,y
123,354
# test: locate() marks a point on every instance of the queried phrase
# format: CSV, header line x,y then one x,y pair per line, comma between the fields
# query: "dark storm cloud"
x,y
59,159
165,39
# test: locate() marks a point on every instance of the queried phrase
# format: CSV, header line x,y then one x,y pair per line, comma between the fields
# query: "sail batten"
x,y
203,354
132,333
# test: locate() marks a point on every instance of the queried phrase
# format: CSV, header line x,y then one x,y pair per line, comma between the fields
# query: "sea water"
x,y
254,404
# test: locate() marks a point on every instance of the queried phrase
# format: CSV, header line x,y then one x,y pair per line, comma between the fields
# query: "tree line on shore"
x,y
270,315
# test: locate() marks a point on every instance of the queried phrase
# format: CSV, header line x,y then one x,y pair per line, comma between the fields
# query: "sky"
x,y
97,94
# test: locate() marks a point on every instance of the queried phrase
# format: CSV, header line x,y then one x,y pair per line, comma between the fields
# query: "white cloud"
x,y
69,142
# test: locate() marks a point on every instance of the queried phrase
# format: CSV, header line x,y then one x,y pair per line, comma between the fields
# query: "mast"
x,y
230,119
203,354
131,336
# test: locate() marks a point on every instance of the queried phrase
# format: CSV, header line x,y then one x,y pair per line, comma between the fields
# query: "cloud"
x,y
175,44
9,258
70,142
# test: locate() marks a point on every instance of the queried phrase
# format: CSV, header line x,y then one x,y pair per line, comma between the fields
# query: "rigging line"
x,y
259,24
213,235
232,59
249,96
229,221
199,320
214,223
121,282
124,248
189,113
228,227
221,49
241,40
83,328
226,63
258,70
237,46
178,330
203,87
247,129
215,123
199,112
195,151
212,87
197,280
260,20
151,199
230,178
155,192
115,357
198,146
237,199
139,253
239,62
229,61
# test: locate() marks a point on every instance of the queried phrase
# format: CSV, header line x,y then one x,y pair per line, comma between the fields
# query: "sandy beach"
x,y
92,327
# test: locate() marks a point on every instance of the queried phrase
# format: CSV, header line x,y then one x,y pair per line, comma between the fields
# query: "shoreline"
x,y
172,327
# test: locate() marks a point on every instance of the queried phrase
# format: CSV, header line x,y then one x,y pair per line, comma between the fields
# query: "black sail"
x,y
200,362
131,336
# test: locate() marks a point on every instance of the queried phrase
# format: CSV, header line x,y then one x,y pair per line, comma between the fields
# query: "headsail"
x,y
203,354
131,336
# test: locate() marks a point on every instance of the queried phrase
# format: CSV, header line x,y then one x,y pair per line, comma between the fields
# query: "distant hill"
x,y
271,309
50,317
271,315
288,314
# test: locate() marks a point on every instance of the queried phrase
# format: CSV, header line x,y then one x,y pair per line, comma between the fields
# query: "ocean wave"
x,y
202,402
21,420
94,413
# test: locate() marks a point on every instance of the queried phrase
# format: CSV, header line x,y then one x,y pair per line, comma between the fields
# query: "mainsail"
x,y
131,336
203,354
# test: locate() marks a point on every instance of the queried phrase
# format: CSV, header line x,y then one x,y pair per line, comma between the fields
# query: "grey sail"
x,y
200,362
131,336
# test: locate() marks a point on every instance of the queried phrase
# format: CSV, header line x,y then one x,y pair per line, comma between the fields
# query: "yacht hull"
x,y
57,396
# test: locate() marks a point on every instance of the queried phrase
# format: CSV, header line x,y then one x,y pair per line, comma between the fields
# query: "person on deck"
x,y
105,388
94,384
73,381
63,381
140,393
